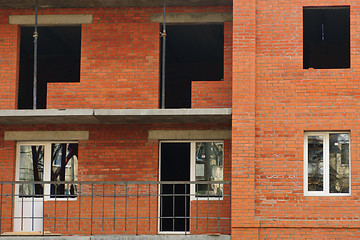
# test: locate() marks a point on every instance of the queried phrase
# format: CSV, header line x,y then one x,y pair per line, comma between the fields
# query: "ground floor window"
x,y
327,163
48,162
208,167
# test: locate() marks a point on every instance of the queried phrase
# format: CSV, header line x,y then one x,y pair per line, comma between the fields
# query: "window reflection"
x,y
209,167
339,162
315,163
64,167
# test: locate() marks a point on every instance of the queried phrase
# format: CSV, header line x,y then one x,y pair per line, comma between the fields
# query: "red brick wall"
x,y
289,101
9,44
114,153
119,62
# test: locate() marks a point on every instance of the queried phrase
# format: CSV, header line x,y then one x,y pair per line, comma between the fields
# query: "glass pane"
x,y
315,163
339,162
31,169
209,167
64,167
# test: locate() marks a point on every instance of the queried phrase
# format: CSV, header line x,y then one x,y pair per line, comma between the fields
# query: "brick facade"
x,y
274,102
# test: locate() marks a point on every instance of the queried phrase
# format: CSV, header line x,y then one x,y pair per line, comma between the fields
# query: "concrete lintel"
x,y
49,20
161,112
189,134
46,135
192,17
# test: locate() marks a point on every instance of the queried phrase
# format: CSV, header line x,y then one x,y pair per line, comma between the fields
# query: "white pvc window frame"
x,y
193,166
326,167
47,167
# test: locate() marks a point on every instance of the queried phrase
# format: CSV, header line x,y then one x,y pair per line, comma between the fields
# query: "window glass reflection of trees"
x,y
209,167
31,169
64,167
315,163
339,163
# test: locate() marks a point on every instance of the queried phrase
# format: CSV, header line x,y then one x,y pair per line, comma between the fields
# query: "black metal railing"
x,y
128,207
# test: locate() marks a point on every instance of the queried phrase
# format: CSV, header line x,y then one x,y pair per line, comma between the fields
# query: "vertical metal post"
x,y
185,213
43,213
55,190
79,193
173,212
35,54
67,210
1,205
163,35
149,207
137,208
32,210
219,204
22,208
103,208
92,205
229,207
126,186
12,203
114,227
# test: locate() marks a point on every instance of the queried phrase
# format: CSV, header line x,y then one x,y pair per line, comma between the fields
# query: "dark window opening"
x,y
326,37
193,53
58,61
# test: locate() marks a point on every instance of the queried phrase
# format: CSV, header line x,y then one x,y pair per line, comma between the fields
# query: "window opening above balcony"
x,y
58,61
194,52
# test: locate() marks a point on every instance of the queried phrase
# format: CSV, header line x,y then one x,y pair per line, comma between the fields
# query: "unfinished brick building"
x,y
189,117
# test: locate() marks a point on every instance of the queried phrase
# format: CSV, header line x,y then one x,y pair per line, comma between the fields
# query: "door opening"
x,y
175,166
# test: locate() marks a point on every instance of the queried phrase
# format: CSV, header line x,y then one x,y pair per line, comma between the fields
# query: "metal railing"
x,y
129,207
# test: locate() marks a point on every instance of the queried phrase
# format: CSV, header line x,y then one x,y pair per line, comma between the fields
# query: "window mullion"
x,y
326,164
47,169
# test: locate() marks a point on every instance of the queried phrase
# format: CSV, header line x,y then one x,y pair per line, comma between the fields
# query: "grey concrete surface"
x,y
45,135
48,20
110,3
192,17
122,237
114,116
189,134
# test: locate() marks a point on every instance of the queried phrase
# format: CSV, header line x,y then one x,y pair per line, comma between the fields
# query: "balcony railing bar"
x,y
140,196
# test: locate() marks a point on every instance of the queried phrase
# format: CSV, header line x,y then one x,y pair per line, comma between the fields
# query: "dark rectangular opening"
x,y
175,206
193,53
326,37
58,61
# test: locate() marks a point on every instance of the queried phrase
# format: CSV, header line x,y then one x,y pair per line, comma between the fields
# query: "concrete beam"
x,y
189,134
49,20
192,17
114,116
110,3
46,135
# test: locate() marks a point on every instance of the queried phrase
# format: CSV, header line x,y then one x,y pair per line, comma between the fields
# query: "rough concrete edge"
x,y
45,135
123,237
70,19
163,112
189,134
47,113
212,17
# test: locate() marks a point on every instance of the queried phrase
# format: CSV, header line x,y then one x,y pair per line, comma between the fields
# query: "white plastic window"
x,y
327,164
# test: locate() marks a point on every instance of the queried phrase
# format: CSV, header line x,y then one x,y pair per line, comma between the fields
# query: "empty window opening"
x,y
326,37
58,61
193,53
